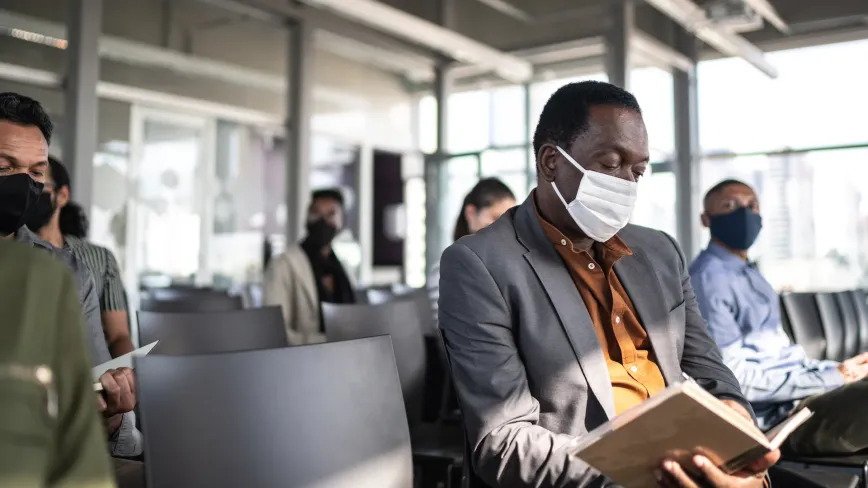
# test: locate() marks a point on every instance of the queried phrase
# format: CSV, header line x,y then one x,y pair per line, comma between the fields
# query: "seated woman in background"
x,y
485,203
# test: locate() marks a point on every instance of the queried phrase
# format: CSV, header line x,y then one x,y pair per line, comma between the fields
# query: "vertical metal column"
x,y
687,150
80,116
618,58
528,126
298,99
435,171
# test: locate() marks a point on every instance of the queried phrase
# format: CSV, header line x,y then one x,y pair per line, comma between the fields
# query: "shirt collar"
x,y
615,244
729,259
26,236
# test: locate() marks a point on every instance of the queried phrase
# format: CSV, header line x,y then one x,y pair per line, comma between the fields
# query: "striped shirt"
x,y
106,273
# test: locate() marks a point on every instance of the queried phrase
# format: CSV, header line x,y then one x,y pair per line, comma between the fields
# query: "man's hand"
x,y
672,475
854,369
119,386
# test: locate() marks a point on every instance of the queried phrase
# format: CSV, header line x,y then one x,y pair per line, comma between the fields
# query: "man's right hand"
x,y
119,386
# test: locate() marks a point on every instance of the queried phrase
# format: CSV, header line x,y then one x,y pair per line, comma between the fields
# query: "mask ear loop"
x,y
574,163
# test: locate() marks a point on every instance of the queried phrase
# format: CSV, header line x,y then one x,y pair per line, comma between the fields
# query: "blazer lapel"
x,y
568,304
639,279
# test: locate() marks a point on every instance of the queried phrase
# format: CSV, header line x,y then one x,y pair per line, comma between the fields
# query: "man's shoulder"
x,y
18,256
707,265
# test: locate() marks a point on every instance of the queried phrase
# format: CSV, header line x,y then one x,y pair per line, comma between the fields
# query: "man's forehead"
x,y
24,144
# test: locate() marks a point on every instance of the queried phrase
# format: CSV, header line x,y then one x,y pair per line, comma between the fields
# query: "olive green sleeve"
x,y
80,459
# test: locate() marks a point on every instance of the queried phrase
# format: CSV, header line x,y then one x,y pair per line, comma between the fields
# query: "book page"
x,y
779,433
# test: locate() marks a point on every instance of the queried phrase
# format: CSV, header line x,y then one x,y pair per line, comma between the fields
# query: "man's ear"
x,y
62,196
705,219
547,162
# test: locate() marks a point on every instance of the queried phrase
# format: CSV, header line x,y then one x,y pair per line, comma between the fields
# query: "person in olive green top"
x,y
50,433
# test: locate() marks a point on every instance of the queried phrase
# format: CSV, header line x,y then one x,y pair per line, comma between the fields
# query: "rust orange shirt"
x,y
632,366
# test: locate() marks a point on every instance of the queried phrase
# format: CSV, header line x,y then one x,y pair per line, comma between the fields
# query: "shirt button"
x,y
591,266
634,369
618,320
563,242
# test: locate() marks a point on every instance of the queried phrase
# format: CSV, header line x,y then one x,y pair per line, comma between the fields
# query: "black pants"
x,y
839,425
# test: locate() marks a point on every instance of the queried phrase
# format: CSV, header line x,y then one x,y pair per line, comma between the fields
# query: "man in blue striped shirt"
x,y
743,315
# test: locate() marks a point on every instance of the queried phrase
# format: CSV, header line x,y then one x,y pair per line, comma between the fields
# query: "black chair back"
x,y
399,319
860,300
833,326
325,415
183,334
803,317
197,304
850,321
378,296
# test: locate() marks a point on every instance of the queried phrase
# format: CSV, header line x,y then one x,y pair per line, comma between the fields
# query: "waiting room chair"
x,y
378,296
325,415
193,304
803,317
850,323
405,319
860,299
181,292
833,326
183,334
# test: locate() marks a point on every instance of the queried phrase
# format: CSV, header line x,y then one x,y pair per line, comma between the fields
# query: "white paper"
x,y
125,361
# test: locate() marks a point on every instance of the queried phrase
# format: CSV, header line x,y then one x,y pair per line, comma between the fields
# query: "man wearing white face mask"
x,y
560,315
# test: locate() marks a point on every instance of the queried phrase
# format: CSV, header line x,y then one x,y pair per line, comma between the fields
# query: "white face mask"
x,y
603,204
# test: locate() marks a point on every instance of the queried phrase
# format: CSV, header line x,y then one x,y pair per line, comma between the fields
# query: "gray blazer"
x,y
527,365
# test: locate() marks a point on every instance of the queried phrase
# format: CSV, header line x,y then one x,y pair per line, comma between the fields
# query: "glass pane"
x,y
653,89
507,116
414,195
169,189
495,162
469,121
517,182
427,125
239,209
655,205
815,234
743,110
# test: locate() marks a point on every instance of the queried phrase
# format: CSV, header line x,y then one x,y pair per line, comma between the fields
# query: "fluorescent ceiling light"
x,y
414,29
693,18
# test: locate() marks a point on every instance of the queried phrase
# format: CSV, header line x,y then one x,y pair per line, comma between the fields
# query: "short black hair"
x,y
59,174
23,110
333,194
714,190
565,115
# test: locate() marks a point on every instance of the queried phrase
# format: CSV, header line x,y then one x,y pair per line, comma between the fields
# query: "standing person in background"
x,y
45,220
42,355
485,203
310,273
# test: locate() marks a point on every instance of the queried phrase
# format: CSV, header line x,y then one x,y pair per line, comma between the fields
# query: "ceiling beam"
x,y
692,17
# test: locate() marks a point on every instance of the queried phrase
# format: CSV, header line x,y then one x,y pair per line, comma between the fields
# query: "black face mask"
x,y
41,213
320,233
18,195
737,230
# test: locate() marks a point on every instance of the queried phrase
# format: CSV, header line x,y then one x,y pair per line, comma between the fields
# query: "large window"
x,y
814,205
818,99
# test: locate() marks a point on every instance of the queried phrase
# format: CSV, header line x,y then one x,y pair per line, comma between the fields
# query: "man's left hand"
x,y
119,386
672,475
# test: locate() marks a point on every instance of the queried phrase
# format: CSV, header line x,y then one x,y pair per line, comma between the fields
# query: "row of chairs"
x,y
190,328
828,325
833,326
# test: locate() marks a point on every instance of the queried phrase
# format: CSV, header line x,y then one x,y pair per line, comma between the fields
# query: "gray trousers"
x,y
839,425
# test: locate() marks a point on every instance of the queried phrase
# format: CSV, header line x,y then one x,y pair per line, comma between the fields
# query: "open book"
x,y
675,424
125,361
